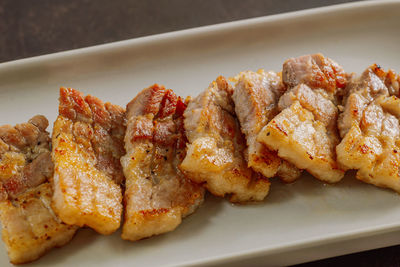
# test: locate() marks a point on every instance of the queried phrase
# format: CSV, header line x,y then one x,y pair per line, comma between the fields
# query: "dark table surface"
x,y
36,27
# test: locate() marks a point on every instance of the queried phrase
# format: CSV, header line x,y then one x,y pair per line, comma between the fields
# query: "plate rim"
x,y
196,31
15,65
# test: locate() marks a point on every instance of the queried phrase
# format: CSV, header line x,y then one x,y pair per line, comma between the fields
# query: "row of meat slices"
x,y
152,162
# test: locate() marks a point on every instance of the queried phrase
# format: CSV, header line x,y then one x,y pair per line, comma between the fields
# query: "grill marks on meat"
x,y
157,193
256,96
302,140
173,151
305,132
30,227
87,146
216,146
369,125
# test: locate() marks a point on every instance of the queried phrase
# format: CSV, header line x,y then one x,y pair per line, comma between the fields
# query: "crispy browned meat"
x,y
369,125
317,72
87,146
305,132
157,193
362,90
216,146
25,156
256,96
30,227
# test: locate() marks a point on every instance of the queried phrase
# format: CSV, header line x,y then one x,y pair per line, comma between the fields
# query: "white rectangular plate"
x,y
303,221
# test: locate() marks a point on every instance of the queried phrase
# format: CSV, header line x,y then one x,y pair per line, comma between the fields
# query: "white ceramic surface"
x,y
303,221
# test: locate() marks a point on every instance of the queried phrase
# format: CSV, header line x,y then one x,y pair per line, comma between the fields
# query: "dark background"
x,y
36,27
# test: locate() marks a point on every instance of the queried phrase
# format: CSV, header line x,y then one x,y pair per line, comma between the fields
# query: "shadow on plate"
x,y
88,240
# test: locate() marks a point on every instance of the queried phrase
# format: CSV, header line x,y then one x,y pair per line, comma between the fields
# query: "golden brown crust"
x,y
87,146
157,193
216,145
305,131
316,71
256,97
29,226
25,160
106,128
304,141
370,128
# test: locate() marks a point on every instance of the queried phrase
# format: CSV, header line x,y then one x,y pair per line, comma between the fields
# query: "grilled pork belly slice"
x,y
256,96
305,131
25,157
158,195
363,90
317,72
216,146
29,226
369,125
87,146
